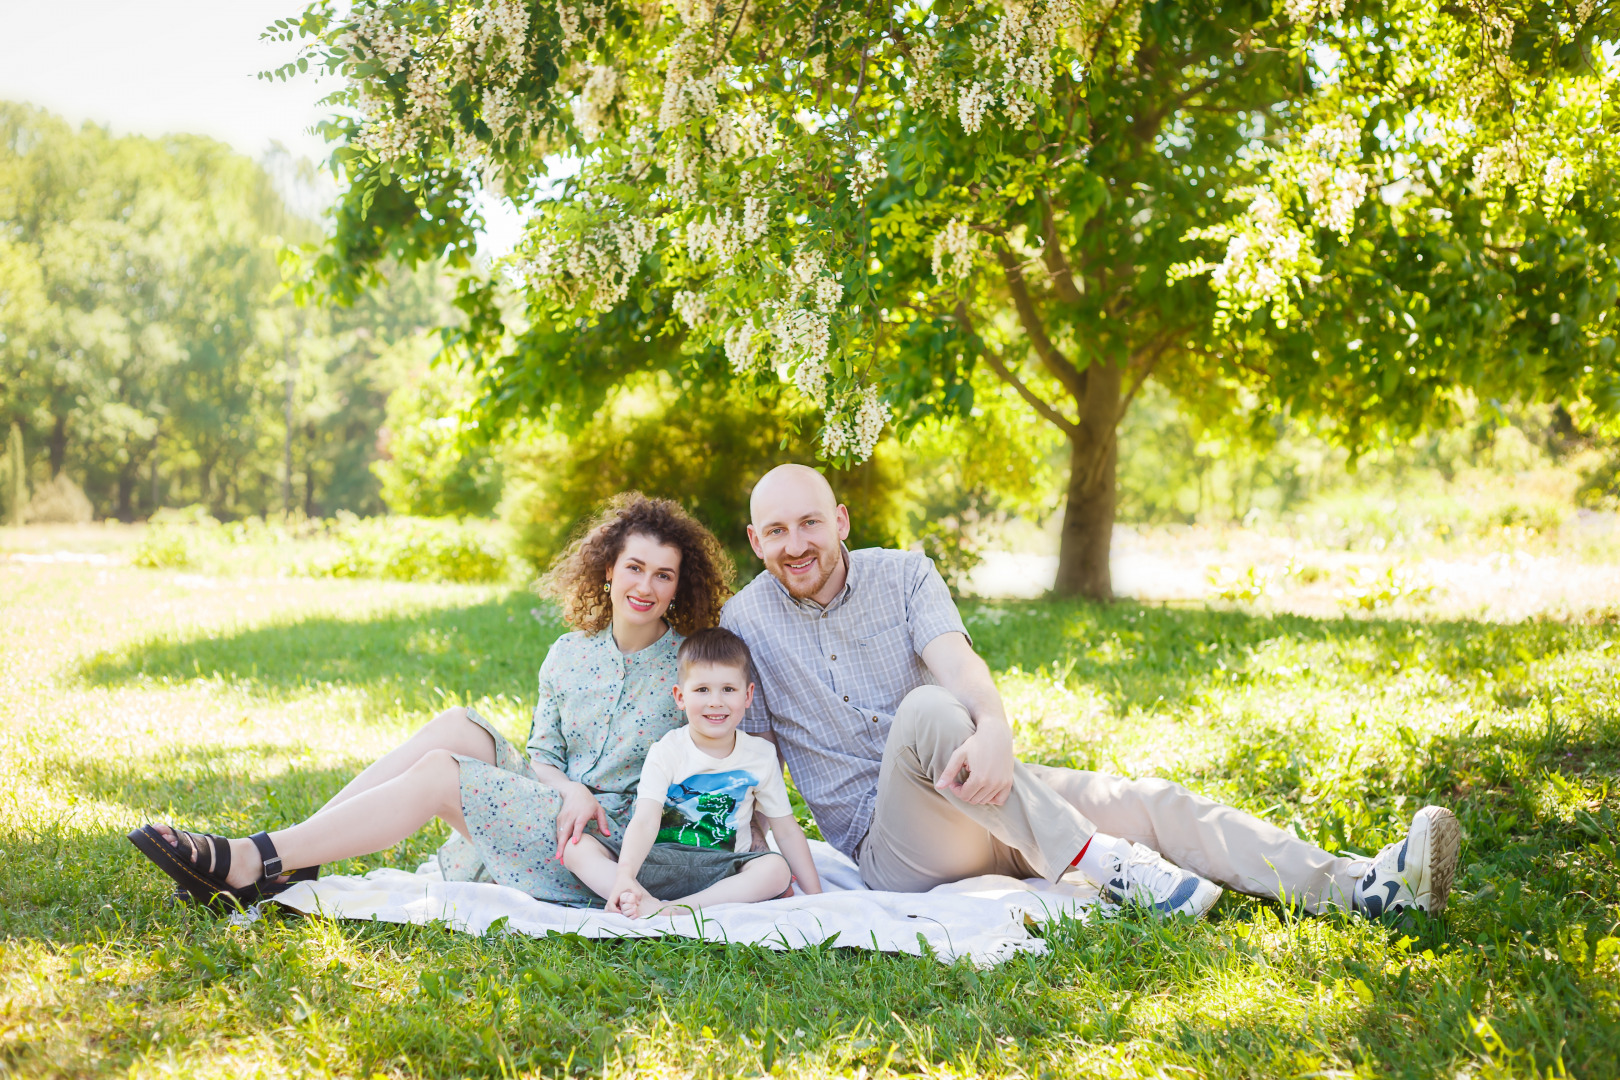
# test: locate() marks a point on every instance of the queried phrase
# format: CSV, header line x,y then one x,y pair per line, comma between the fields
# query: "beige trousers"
x,y
921,837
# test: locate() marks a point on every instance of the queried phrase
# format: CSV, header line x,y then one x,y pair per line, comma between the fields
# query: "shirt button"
x,y
846,697
874,719
835,656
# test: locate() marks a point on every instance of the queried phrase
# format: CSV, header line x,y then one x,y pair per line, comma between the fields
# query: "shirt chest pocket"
x,y
885,657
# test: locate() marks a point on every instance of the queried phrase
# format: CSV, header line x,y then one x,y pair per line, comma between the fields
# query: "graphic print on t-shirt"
x,y
701,811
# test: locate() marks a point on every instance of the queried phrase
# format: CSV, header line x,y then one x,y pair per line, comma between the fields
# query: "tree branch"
x,y
1057,263
1072,378
1146,361
1036,402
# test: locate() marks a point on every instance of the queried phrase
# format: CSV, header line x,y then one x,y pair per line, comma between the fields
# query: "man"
x,y
896,736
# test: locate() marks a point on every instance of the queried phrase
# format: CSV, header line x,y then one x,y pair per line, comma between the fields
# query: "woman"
x,y
643,575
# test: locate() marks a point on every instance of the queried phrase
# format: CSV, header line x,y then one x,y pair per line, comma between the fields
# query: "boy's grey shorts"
x,y
672,871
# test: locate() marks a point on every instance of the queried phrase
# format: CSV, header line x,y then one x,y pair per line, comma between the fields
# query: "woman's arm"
x,y
796,850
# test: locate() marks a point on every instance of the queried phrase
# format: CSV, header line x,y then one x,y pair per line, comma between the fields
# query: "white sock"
x,y
1102,855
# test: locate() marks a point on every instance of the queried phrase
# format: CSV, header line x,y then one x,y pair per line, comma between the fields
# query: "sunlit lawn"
x,y
129,695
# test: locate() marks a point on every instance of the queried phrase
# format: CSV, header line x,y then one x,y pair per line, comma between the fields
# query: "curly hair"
x,y
701,588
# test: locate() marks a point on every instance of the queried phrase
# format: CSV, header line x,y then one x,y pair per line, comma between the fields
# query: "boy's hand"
x,y
628,898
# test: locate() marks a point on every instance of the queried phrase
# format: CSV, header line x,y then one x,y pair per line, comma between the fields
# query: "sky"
x,y
155,67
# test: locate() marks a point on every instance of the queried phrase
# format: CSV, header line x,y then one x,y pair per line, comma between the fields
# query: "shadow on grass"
x,y
67,880
396,660
1140,655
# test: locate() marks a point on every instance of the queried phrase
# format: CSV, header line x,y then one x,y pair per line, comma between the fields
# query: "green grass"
x,y
129,694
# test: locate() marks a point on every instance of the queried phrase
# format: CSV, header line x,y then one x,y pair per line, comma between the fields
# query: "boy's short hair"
x,y
716,645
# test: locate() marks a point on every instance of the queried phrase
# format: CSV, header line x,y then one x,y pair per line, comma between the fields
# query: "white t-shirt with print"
x,y
708,801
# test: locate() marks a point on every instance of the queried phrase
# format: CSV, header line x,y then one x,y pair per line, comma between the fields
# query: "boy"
x,y
688,843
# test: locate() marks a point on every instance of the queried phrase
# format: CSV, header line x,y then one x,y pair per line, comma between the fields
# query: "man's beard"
x,y
802,591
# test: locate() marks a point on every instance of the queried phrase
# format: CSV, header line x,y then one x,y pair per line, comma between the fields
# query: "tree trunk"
x,y
1088,519
58,445
128,476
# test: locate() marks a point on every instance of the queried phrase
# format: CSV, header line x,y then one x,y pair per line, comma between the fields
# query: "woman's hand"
x,y
579,807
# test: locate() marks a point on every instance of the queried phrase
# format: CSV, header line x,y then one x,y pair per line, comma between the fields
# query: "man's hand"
x,y
981,770
579,806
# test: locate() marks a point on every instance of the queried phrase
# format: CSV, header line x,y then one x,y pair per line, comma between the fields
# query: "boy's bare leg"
x,y
764,878
593,864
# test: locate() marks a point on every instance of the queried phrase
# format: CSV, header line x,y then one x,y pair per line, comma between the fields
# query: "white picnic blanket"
x,y
985,919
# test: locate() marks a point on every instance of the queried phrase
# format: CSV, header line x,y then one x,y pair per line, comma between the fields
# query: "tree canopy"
x,y
1355,212
144,343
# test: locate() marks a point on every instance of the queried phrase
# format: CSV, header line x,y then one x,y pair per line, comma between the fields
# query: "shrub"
x,y
412,549
433,465
703,452
175,538
164,547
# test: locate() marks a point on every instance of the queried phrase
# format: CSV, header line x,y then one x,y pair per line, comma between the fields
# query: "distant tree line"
x,y
147,352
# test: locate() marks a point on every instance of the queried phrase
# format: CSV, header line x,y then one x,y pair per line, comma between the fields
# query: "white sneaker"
x,y
1148,880
1414,872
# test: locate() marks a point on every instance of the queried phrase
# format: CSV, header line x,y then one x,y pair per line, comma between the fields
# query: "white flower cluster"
x,y
802,340
1266,254
591,105
692,307
507,20
1499,164
746,133
740,346
686,94
868,170
494,33
1306,12
499,109
957,242
377,35
723,236
756,219
695,12
858,436
600,265
1557,182
1334,184
975,101
572,20
1023,41
809,274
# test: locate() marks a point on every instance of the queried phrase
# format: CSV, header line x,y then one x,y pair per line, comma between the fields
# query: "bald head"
x,y
790,490
798,529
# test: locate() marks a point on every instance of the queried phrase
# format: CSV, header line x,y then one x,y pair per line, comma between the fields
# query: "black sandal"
x,y
200,880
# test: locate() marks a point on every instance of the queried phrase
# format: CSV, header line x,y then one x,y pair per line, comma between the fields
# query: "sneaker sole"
x,y
1442,841
1207,896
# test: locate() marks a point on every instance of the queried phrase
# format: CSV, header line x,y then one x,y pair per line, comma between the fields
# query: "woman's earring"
x,y
607,586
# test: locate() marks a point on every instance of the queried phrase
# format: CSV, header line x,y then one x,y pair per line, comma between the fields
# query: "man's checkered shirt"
x,y
828,680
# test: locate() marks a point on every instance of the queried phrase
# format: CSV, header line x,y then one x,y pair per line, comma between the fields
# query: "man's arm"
x,y
987,754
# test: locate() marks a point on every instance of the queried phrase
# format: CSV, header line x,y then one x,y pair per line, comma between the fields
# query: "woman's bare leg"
x,y
369,821
450,730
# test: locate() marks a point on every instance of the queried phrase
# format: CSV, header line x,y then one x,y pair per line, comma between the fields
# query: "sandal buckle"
x,y
267,855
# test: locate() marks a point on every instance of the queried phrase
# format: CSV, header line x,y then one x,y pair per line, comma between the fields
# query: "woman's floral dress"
x,y
599,712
